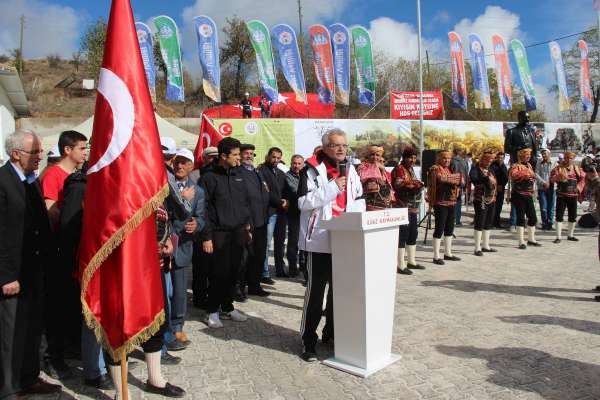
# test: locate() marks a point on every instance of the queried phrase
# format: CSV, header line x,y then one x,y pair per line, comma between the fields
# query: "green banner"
x,y
168,38
261,42
363,61
524,73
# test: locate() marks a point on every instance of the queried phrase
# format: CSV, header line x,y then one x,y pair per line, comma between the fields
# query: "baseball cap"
x,y
54,152
185,153
210,151
168,145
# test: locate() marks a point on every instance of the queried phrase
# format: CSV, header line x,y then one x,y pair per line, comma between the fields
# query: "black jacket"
x,y
17,260
275,179
520,137
290,192
71,216
227,201
259,195
501,173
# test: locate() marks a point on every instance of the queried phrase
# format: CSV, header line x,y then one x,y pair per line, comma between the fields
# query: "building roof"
x,y
11,82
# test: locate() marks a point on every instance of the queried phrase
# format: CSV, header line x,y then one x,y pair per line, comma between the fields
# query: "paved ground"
x,y
512,325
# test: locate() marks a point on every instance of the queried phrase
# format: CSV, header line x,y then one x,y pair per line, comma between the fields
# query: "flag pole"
x,y
421,140
124,388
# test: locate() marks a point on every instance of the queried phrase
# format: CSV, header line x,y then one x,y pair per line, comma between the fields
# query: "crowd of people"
x,y
219,222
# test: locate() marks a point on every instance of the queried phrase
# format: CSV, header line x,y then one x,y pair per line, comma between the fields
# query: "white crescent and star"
x,y
120,101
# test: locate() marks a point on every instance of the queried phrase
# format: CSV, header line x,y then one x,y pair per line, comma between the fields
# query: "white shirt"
x,y
29,178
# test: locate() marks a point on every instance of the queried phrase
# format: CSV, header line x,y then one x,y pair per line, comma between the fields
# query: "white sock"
x,y
437,243
411,251
521,234
477,238
559,230
531,233
401,260
571,229
448,246
155,377
115,374
486,239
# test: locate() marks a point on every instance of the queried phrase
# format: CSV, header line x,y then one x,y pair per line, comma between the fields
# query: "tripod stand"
x,y
427,217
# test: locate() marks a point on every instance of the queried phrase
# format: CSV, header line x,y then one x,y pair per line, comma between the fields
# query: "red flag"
x,y
209,136
121,290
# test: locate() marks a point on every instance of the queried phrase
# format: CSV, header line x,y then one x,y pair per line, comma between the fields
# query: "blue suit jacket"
x,y
185,246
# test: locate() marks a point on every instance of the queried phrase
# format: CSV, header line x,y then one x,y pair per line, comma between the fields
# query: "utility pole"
x,y
428,70
20,59
300,30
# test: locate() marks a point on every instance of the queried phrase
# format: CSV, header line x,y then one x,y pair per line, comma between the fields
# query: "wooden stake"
x,y
124,388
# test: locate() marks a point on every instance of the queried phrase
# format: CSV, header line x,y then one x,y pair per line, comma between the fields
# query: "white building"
x,y
13,104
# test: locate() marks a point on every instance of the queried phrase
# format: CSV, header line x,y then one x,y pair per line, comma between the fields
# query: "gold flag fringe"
x,y
101,255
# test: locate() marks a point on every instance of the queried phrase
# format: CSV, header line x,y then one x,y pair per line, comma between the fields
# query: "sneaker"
x,y
168,359
572,239
309,355
213,321
404,271
235,315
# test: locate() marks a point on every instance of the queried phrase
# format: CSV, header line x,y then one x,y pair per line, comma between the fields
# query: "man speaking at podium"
x,y
329,186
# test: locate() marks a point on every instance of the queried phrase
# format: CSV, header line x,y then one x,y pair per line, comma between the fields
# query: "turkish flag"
x,y
121,289
209,136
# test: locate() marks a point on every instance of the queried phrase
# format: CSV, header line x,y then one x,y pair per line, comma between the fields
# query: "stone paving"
x,y
510,325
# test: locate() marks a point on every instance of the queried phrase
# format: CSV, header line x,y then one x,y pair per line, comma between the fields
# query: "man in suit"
x,y
24,237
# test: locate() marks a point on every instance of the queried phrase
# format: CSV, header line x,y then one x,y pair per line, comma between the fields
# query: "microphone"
x,y
342,168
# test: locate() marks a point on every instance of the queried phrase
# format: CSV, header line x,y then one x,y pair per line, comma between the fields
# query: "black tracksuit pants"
x,y
223,268
293,222
257,251
319,274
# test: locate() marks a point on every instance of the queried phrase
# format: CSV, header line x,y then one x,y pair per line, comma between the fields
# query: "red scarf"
x,y
338,206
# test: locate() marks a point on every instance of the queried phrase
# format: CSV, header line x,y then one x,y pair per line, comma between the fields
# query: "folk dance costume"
x,y
569,180
407,189
442,194
377,187
484,203
523,178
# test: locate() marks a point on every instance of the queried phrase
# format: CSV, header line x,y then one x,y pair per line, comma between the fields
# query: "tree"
x,y
236,58
92,45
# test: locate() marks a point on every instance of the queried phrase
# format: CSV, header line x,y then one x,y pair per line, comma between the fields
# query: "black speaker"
x,y
587,221
427,162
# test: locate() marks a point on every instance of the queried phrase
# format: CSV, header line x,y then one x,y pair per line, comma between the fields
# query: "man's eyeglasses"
x,y
32,152
337,146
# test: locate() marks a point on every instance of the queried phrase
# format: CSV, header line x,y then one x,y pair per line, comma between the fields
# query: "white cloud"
x,y
400,39
268,11
49,28
441,17
495,20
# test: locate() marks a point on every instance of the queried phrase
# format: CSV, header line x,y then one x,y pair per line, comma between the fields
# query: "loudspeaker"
x,y
587,221
427,162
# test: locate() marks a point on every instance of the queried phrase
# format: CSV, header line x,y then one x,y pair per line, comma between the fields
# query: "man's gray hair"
x,y
325,139
16,140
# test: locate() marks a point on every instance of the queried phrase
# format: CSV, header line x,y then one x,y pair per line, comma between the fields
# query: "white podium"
x,y
364,248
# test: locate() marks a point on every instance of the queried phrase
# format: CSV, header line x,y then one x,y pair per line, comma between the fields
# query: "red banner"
x,y
405,105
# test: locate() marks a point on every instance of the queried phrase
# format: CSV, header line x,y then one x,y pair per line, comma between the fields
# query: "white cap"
x,y
185,153
54,152
246,94
168,145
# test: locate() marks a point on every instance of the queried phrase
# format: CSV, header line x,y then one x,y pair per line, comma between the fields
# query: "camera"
x,y
589,164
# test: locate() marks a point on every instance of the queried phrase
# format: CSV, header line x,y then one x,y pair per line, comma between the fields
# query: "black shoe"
x,y
404,271
534,244
239,297
168,391
103,382
309,355
168,359
597,298
478,253
597,288
176,345
415,266
58,369
258,292
522,247
438,261
451,258
267,281
572,239
281,274
556,241
490,250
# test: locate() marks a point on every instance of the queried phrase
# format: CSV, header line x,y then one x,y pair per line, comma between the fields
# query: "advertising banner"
x,y
262,133
261,42
481,85
168,38
320,42
459,80
502,72
144,35
340,42
524,73
405,105
585,90
289,58
363,61
559,72
208,53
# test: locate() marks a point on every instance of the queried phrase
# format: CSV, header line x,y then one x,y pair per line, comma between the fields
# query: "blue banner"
x,y
340,42
286,44
144,35
208,52
561,80
481,85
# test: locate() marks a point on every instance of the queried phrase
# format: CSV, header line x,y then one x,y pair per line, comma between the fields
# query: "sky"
x,y
392,23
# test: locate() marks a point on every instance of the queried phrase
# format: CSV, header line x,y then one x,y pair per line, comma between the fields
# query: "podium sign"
x,y
364,254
